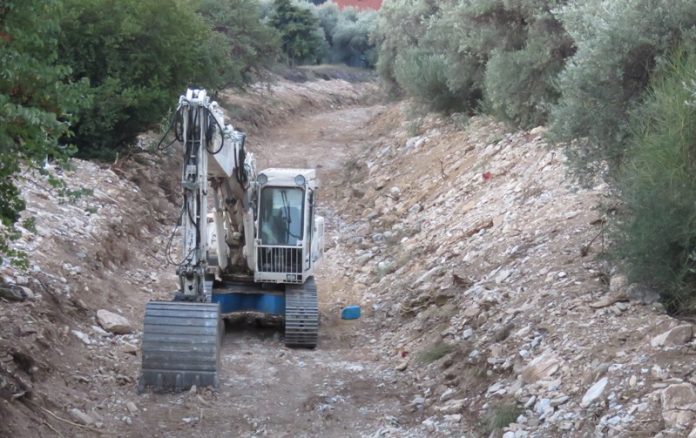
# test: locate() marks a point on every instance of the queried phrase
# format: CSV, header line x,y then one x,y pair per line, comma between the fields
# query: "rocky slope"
x,y
477,256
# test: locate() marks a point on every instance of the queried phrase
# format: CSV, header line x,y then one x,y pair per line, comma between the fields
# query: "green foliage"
x,y
253,46
658,188
348,35
137,56
29,224
301,38
619,44
36,101
520,81
452,54
400,26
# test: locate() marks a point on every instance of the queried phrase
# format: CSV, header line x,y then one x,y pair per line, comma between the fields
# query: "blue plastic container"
x,y
350,312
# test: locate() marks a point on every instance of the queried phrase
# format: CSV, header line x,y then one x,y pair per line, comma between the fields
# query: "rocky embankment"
x,y
477,257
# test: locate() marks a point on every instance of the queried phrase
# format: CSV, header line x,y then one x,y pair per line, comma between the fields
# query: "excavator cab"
x,y
289,234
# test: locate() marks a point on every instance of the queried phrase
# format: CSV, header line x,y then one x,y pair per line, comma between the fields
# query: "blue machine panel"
x,y
273,304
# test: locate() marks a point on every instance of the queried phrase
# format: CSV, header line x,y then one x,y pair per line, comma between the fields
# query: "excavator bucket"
x,y
181,346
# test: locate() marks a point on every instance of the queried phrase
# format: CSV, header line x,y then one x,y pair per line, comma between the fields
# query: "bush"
x,y
619,44
658,188
389,38
348,35
36,99
506,51
423,76
301,37
252,45
519,82
138,56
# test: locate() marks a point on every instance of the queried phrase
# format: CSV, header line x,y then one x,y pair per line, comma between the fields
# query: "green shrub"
x,y
395,16
349,39
501,416
507,51
423,75
138,56
619,44
253,46
36,99
302,39
520,83
658,187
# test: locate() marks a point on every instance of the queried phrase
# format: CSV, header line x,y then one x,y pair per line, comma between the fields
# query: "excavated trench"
x,y
341,388
85,383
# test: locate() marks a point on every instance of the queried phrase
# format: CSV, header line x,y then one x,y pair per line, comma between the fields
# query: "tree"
x,y
252,46
138,56
301,37
36,100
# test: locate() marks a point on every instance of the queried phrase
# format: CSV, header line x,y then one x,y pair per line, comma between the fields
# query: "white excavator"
x,y
255,252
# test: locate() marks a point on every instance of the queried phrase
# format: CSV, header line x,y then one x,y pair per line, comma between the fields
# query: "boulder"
x,y
113,322
675,337
540,368
642,294
678,404
80,417
594,392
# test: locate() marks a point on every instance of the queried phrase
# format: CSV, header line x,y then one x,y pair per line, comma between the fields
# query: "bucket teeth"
x,y
301,315
181,346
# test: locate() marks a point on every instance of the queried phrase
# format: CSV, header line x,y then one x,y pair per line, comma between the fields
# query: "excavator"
x,y
250,243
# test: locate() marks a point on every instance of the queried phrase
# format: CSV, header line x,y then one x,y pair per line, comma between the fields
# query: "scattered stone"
x,y
82,337
401,366
447,394
609,300
395,192
540,368
415,208
642,294
594,392
675,337
80,417
678,405
618,283
12,293
132,408
113,322
385,267
452,406
129,349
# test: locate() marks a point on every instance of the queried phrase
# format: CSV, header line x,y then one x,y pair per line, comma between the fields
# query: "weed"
x,y
435,352
30,224
501,416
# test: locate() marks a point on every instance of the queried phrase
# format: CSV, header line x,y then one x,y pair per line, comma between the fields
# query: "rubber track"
x,y
181,346
302,315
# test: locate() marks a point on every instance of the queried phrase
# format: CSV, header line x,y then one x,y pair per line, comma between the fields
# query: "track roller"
x,y
181,346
